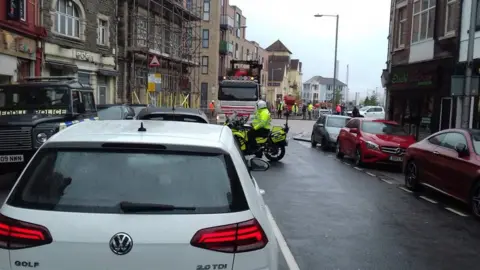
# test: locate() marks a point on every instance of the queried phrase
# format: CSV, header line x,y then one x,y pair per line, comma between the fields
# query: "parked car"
x,y
115,112
139,107
139,193
326,129
373,141
449,162
374,112
173,114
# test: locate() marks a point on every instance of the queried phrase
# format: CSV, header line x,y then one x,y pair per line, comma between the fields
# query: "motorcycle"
x,y
273,146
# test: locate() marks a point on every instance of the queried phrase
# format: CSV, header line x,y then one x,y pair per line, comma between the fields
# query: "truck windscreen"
x,y
238,93
34,99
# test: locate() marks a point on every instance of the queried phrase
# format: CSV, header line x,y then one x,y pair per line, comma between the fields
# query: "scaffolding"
x,y
169,30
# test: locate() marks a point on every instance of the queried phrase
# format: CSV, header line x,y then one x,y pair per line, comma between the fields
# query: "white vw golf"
x,y
138,195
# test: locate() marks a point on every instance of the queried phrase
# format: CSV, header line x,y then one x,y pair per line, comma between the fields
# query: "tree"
x,y
338,97
373,100
366,102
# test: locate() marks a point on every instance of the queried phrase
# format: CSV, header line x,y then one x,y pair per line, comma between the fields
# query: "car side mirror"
x,y
257,164
320,125
462,150
354,130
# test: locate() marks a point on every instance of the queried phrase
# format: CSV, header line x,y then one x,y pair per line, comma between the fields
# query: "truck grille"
x,y
15,139
393,150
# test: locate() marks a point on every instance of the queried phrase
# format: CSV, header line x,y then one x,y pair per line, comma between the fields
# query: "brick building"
x,y
423,50
82,42
20,33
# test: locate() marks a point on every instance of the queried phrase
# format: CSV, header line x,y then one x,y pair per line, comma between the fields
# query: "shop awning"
x,y
108,72
62,65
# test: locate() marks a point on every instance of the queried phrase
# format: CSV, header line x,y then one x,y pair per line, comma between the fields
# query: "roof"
x,y
157,132
278,46
323,81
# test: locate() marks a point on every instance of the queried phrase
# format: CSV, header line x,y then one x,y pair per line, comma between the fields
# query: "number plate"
x,y
396,159
11,159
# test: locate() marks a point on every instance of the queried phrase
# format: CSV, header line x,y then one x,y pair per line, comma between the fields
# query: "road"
x,y
336,216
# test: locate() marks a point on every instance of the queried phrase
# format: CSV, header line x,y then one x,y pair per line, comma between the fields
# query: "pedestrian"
x,y
211,108
310,109
304,111
279,109
338,110
355,112
343,107
295,109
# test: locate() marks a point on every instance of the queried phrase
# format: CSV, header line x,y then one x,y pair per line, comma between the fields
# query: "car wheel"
x,y
338,150
475,200
358,157
411,176
312,140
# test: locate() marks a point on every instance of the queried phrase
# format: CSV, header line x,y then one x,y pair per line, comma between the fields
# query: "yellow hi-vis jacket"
x,y
262,119
310,107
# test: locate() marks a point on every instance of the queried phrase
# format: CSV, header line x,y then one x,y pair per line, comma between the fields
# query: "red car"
x,y
373,141
449,162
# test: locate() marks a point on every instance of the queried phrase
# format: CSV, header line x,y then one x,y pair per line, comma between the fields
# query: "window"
x,y
22,10
450,13
452,139
87,100
67,19
204,64
236,50
206,10
84,78
401,26
55,182
337,122
205,38
437,140
238,23
102,35
111,113
478,15
383,128
248,54
423,20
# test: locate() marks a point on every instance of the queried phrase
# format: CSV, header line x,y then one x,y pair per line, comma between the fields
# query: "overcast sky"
x,y
362,44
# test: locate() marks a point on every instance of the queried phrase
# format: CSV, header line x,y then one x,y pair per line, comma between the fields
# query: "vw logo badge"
x,y
121,243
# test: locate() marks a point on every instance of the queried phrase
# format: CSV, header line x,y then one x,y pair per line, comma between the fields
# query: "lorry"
x,y
33,111
239,91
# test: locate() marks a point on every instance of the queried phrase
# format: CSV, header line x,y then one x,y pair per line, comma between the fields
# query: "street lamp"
x,y
335,58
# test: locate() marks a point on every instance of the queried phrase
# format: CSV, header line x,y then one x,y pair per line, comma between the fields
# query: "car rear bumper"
x,y
376,156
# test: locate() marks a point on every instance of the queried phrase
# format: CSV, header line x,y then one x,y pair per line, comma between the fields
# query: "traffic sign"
x,y
154,62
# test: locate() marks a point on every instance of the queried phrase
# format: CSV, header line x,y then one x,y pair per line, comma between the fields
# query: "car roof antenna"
x,y
141,128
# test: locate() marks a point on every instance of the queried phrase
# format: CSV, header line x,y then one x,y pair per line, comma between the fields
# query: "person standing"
x,y
355,112
310,109
338,109
211,108
304,111
279,109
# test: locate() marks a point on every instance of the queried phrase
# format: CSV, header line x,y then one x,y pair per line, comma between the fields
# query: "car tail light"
x,y
233,238
16,234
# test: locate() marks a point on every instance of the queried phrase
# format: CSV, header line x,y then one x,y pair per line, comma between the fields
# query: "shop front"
x,y
17,57
419,97
89,67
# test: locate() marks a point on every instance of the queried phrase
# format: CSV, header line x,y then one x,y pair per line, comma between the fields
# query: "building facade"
x,y
81,42
21,36
320,89
423,50
224,39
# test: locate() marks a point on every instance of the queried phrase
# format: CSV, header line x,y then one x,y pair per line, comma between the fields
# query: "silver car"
x,y
326,129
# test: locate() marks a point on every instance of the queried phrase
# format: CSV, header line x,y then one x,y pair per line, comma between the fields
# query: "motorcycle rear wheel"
x,y
279,155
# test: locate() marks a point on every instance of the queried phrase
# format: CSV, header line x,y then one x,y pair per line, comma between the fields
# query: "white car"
x,y
132,194
374,112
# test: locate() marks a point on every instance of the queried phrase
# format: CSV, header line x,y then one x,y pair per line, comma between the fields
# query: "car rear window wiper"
x,y
131,207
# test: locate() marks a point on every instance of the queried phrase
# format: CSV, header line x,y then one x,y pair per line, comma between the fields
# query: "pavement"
x,y
332,215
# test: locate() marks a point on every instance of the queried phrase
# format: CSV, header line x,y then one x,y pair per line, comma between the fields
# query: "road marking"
x,y
406,190
456,212
371,174
428,199
346,163
386,181
358,169
287,253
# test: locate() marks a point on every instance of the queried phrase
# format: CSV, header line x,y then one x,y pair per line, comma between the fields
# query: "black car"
x,y
115,112
34,110
173,114
139,107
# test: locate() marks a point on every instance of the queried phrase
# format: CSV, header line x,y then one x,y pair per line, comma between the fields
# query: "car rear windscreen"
x,y
174,117
98,181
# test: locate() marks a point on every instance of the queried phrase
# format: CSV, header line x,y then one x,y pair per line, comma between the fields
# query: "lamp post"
x,y
335,57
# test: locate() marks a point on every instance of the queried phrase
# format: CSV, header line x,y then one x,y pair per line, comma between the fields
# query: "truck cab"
x,y
34,110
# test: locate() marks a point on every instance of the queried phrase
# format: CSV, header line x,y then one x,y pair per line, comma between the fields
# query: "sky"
x,y
362,35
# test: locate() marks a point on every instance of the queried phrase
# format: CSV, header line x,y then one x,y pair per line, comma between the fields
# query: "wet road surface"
x,y
334,216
